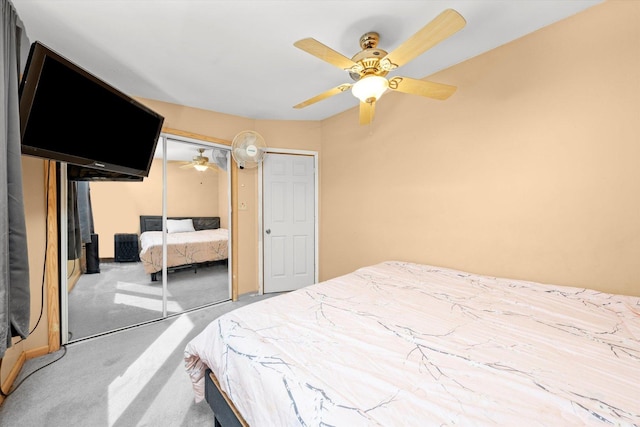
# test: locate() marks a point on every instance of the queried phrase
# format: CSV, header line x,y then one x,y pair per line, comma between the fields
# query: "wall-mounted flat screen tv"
x,y
69,115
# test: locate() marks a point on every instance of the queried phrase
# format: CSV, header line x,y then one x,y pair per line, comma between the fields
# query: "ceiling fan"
x,y
370,66
200,162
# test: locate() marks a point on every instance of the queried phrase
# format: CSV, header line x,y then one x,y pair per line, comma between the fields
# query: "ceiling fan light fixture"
x,y
370,88
200,168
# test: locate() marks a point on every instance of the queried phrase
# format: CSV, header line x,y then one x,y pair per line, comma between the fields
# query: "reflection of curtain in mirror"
x,y
79,218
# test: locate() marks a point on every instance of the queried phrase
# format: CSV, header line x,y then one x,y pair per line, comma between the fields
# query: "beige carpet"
x,y
134,377
122,295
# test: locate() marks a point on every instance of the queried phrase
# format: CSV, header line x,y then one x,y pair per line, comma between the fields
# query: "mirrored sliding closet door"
x,y
122,267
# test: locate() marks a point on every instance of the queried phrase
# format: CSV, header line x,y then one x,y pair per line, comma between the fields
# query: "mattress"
x,y
405,344
184,248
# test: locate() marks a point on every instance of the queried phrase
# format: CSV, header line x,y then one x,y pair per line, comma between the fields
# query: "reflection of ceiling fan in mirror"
x,y
200,163
370,66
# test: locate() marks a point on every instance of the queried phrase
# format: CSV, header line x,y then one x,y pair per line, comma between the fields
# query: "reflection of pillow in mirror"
x,y
179,225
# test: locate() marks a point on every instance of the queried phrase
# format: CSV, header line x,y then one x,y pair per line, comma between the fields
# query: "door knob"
x,y
268,231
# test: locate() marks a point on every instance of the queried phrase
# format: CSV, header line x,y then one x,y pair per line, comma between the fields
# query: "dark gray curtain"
x,y
85,213
79,218
74,238
15,307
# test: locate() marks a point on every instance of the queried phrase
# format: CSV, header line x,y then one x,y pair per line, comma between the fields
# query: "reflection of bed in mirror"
x,y
191,242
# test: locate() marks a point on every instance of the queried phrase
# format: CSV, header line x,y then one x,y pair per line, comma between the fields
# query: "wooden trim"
x,y
186,134
234,231
17,367
51,256
13,374
36,352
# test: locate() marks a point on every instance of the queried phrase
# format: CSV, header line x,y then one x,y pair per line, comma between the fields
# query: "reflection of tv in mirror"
x,y
79,173
69,115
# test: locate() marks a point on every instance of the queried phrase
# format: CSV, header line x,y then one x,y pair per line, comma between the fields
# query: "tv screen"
x,y
69,115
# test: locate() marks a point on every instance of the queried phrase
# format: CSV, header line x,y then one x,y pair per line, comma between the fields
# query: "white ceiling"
x,y
237,57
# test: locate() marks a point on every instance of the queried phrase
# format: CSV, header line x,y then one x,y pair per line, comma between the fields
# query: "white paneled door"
x,y
288,221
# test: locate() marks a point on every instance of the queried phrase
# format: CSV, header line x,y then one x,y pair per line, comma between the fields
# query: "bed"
x,y
400,343
191,242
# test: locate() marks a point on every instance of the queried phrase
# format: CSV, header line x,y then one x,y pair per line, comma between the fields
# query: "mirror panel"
x,y
197,241
115,269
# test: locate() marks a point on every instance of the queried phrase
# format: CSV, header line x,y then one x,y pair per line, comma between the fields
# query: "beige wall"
x,y
35,205
117,206
531,170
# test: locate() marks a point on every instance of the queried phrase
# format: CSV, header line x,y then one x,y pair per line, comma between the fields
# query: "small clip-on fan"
x,y
248,148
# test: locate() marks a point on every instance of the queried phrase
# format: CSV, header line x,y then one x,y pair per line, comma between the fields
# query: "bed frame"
x,y
154,223
226,415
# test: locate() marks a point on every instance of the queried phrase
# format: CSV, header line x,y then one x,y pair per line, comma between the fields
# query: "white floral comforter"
x,y
407,344
185,248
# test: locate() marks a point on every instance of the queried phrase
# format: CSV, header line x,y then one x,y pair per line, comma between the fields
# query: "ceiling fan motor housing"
x,y
369,57
369,40
200,159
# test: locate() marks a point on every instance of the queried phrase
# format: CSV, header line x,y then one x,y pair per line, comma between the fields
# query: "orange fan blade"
x,y
441,27
433,90
367,109
324,95
319,50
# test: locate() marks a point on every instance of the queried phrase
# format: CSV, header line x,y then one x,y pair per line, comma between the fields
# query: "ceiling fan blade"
x,y
367,109
433,90
319,50
441,27
324,95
